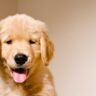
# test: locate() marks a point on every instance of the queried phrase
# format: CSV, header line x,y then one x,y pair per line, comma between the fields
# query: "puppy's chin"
x,y
19,75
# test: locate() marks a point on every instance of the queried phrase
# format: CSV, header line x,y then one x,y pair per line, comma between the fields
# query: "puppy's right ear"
x,y
0,40
47,48
0,49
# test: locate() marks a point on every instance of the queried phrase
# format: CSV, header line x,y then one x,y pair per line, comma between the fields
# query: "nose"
x,y
20,59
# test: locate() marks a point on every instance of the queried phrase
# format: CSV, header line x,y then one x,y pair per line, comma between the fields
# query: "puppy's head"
x,y
24,45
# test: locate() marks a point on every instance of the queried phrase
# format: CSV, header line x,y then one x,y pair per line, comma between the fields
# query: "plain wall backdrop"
x,y
7,7
72,27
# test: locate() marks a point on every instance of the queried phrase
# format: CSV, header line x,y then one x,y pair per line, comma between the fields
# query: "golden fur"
x,y
15,33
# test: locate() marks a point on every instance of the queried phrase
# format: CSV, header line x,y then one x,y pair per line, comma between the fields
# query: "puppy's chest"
x,y
11,90
7,89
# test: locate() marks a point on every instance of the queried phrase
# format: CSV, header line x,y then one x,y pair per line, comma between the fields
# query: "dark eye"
x,y
32,42
9,42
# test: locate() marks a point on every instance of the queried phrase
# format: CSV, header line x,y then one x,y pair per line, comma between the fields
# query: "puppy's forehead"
x,y
20,34
23,28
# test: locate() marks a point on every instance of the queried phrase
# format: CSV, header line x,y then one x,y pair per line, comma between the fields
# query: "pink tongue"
x,y
19,77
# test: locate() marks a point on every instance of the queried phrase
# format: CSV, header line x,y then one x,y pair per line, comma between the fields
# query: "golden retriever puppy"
x,y
25,52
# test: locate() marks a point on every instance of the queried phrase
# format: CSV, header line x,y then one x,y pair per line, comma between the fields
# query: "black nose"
x,y
20,59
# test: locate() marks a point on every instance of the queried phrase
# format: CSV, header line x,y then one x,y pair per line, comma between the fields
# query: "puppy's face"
x,y
20,50
24,45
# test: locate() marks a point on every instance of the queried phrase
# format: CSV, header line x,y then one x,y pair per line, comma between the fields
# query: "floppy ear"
x,y
0,41
47,48
0,50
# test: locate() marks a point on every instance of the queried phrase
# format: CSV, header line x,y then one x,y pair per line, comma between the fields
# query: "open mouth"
x,y
19,74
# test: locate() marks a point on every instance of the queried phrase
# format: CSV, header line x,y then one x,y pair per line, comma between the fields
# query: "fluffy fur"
x,y
23,34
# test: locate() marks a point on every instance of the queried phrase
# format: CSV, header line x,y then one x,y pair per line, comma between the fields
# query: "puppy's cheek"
x,y
33,53
5,51
11,62
37,54
36,50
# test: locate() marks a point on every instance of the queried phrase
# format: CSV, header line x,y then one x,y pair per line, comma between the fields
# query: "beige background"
x,y
7,7
72,26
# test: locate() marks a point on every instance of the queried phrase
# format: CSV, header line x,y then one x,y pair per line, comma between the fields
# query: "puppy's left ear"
x,y
47,48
